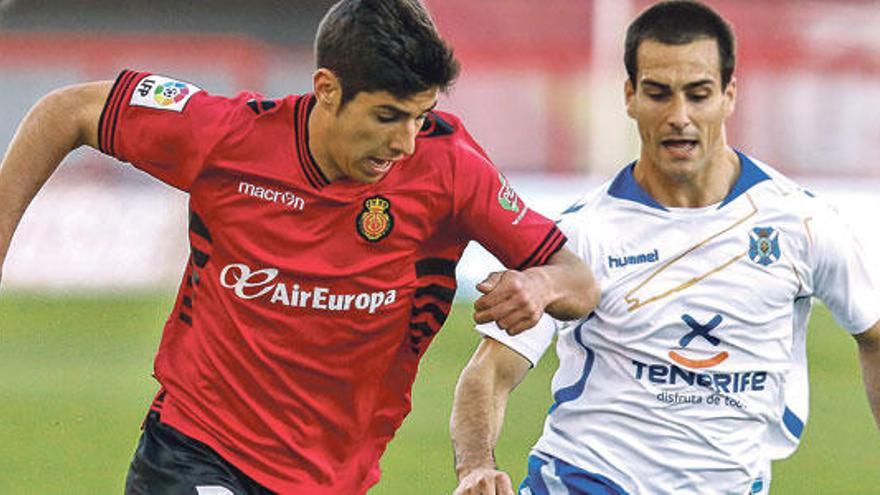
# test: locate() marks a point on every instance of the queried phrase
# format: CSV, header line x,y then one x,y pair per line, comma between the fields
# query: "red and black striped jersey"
x,y
306,304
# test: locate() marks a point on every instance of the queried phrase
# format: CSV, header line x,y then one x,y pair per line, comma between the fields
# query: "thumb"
x,y
490,282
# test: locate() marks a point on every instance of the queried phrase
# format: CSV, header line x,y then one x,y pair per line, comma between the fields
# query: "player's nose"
x,y
678,117
403,140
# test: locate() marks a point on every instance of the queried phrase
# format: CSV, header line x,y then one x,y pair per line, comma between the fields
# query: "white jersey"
x,y
691,374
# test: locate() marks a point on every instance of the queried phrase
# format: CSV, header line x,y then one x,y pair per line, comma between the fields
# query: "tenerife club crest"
x,y
375,221
764,245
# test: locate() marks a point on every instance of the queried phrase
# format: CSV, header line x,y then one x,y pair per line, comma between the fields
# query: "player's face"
x,y
375,129
680,108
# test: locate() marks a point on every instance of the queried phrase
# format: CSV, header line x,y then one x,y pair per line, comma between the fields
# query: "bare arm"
x,y
564,288
869,356
59,123
477,416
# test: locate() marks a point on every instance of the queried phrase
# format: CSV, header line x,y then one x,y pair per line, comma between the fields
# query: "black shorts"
x,y
168,462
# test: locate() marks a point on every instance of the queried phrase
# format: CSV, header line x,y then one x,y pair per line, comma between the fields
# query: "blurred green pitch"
x,y
75,384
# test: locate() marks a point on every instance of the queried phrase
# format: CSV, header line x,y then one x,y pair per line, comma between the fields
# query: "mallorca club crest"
x,y
764,245
375,221
507,197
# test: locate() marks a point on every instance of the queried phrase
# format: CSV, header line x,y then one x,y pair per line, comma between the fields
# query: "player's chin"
x,y
370,178
681,169
370,175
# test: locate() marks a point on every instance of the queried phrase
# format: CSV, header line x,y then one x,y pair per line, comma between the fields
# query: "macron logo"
x,y
619,262
285,198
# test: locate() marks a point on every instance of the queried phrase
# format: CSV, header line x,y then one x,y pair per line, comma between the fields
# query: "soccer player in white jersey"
x,y
690,376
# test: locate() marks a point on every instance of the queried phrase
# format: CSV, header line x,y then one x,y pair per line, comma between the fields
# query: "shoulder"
x,y
598,203
588,214
813,228
440,125
444,134
784,194
168,93
248,106
585,206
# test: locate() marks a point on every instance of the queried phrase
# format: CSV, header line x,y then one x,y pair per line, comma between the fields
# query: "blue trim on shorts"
x,y
577,481
533,479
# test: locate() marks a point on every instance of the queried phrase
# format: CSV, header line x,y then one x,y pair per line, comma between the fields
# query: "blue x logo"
x,y
700,330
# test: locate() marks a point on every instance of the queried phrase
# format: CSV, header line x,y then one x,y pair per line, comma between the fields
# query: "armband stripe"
x,y
197,226
440,292
432,309
104,124
124,91
553,241
114,109
559,240
200,258
425,329
102,121
435,266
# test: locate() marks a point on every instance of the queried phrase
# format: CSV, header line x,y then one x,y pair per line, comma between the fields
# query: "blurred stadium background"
x,y
89,276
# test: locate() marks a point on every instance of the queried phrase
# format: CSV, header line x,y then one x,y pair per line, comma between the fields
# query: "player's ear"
x,y
730,97
629,92
327,88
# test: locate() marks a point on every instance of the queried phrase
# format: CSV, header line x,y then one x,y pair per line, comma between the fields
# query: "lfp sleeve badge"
x,y
162,93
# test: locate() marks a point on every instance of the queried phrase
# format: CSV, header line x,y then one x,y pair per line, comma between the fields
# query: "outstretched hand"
x,y
514,300
485,481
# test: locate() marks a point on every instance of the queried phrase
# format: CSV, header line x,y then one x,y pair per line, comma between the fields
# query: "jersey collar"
x,y
302,110
625,186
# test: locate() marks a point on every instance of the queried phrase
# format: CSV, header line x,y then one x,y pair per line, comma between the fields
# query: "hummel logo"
x,y
285,198
619,262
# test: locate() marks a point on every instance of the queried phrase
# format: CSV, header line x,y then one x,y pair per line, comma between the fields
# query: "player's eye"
x,y
698,97
386,118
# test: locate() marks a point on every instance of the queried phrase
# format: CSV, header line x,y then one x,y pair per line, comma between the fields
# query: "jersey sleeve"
x,y
530,344
842,277
488,210
572,222
163,126
534,342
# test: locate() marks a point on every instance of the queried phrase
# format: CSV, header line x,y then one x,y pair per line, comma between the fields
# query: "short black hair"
x,y
679,22
384,45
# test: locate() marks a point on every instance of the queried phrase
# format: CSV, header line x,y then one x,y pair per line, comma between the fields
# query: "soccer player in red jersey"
x,y
324,232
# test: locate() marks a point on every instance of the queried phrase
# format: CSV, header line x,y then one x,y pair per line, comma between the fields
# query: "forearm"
x,y
571,289
57,124
869,358
480,402
475,422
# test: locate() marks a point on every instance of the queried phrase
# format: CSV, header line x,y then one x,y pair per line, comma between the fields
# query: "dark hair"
x,y
384,45
678,22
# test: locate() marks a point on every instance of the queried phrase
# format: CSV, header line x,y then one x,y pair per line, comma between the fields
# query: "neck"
x,y
690,189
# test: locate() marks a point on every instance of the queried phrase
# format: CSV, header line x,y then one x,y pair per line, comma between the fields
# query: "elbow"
x,y
576,308
589,300
869,341
74,111
577,293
